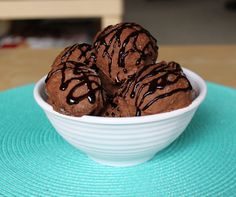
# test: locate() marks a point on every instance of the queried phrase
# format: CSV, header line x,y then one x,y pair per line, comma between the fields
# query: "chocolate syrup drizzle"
x,y
83,48
155,84
116,32
82,75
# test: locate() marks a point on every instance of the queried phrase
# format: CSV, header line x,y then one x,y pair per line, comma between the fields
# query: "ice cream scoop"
x,y
121,49
82,53
118,107
74,89
157,88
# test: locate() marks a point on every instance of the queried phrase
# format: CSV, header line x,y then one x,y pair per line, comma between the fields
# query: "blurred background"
x,y
200,35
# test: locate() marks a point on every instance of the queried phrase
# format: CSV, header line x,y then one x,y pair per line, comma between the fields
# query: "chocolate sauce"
x,y
81,74
157,83
83,48
116,32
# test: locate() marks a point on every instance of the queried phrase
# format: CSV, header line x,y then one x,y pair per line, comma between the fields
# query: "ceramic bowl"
x,y
123,141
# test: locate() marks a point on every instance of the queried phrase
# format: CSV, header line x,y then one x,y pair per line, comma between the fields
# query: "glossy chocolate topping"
x,y
82,74
159,76
115,33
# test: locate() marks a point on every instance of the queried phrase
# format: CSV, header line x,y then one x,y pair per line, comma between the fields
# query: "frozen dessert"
x,y
76,53
75,89
157,88
118,107
121,49
117,76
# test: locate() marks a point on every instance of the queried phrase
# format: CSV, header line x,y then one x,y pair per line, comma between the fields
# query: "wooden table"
x,y
216,63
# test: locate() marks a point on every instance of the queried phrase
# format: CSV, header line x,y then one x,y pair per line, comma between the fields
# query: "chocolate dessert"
x,y
157,88
121,49
74,89
118,107
116,77
76,53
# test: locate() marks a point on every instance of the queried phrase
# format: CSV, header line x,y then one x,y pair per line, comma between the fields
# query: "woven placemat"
x,y
36,161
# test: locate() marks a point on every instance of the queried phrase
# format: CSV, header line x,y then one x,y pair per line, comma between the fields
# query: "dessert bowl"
x,y
123,141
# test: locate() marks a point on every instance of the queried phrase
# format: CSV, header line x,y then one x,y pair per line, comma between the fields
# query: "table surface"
x,y
216,63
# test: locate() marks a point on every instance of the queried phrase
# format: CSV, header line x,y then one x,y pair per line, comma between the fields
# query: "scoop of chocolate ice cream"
x,y
74,89
157,88
110,88
121,49
111,110
118,107
82,53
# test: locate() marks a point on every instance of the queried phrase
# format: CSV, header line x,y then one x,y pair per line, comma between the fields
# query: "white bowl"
x,y
123,141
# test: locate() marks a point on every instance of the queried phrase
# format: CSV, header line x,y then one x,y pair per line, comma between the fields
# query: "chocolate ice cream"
x,y
76,53
157,88
118,107
74,89
116,77
121,49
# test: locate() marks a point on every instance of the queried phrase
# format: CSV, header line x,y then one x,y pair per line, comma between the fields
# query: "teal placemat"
x,y
36,161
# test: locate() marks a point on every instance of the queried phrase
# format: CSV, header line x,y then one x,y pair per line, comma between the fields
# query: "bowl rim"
x,y
192,76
